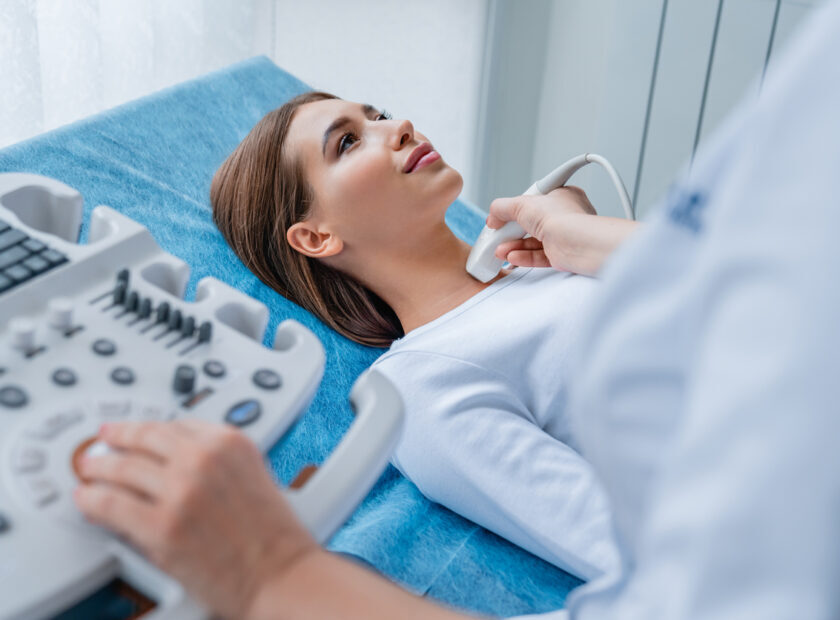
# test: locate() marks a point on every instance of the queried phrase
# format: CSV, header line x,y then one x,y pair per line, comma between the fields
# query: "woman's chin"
x,y
451,184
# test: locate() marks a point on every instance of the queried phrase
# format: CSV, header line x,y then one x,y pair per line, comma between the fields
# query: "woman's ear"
x,y
309,241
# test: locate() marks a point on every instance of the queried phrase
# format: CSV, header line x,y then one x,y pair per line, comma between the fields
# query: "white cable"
x,y
629,213
561,175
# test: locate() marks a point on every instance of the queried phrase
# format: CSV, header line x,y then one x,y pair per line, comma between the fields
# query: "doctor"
x,y
708,398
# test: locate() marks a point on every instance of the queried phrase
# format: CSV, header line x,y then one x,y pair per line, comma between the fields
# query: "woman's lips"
x,y
427,159
420,152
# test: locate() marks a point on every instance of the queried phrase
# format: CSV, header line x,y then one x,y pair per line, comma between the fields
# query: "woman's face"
x,y
374,179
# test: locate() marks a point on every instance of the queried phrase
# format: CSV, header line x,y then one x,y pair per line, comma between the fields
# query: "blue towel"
x,y
153,159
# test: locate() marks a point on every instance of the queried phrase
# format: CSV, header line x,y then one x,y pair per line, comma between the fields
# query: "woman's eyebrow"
x,y
338,123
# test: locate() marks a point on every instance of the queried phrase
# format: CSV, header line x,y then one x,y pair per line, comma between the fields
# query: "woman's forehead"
x,y
312,119
312,122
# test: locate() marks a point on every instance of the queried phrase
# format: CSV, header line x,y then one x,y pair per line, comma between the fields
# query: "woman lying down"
x,y
341,209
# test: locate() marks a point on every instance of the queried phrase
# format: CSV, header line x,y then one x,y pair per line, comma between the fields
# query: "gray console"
x,y
98,332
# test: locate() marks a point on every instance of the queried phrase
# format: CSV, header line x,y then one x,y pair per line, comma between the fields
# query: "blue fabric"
x,y
153,159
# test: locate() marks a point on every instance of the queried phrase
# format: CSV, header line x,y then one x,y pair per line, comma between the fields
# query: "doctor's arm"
x,y
195,498
566,233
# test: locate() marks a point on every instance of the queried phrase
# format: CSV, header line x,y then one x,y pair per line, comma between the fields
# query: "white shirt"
x,y
486,432
708,395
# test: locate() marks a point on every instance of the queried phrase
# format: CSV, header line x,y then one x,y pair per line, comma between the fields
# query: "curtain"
x,y
62,60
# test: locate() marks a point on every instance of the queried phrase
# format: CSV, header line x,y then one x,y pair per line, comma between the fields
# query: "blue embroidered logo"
x,y
686,209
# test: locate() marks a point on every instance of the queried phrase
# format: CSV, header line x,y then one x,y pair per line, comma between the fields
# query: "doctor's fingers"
x,y
119,510
221,445
528,258
528,243
131,470
159,440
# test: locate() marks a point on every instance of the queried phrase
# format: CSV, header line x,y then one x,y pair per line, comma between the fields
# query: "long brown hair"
x,y
257,194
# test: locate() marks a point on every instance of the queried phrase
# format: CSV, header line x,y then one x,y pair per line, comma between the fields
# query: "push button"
x,y
243,413
122,375
103,346
64,377
267,379
214,368
5,524
13,397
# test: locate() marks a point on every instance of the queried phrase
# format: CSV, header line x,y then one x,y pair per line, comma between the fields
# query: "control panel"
x,y
99,332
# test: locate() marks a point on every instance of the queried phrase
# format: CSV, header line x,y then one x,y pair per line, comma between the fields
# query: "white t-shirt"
x,y
708,390
486,432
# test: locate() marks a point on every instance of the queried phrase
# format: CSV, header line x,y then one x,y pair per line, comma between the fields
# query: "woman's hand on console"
x,y
196,499
566,232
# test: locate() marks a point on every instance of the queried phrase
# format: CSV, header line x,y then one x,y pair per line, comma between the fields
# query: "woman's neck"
x,y
426,280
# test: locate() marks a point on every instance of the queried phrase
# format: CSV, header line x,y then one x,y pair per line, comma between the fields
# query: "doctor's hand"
x,y
566,232
196,499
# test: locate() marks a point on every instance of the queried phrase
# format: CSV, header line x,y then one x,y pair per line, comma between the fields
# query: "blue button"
x,y
243,413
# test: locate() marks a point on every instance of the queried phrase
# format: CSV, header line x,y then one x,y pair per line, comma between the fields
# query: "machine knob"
x,y
205,331
162,312
132,301
23,333
145,310
184,381
175,319
120,292
61,313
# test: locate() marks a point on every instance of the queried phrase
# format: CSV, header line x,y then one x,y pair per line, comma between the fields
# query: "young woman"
x,y
341,209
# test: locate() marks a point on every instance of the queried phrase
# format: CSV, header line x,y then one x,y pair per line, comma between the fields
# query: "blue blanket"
x,y
153,159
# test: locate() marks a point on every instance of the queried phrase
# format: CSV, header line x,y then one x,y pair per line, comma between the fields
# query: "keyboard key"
x,y
5,283
12,255
33,245
11,237
53,257
36,264
4,226
18,273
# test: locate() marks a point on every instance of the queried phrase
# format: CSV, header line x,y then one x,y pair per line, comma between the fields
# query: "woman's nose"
x,y
403,134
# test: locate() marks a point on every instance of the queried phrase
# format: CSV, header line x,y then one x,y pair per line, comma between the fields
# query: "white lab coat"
x,y
708,392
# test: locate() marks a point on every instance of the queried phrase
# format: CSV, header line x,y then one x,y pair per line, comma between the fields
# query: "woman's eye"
x,y
383,116
346,142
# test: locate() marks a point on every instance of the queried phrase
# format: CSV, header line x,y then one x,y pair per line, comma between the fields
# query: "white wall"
x,y
595,90
646,82
418,60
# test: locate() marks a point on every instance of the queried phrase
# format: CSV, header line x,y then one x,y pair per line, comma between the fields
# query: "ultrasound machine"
x,y
99,332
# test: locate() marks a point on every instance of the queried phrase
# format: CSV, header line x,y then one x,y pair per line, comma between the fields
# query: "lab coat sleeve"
x,y
468,444
744,515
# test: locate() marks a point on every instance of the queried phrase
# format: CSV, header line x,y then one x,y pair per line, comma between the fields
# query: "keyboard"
x,y
22,257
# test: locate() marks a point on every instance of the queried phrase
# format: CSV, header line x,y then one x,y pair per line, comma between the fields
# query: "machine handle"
x,y
328,498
